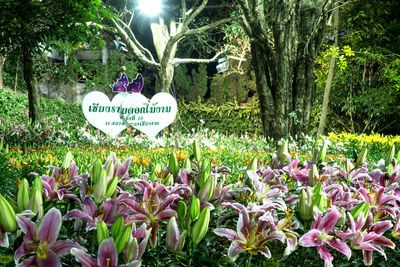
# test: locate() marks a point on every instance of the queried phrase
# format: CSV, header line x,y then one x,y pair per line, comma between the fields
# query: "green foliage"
x,y
365,91
13,107
96,75
229,118
232,85
191,86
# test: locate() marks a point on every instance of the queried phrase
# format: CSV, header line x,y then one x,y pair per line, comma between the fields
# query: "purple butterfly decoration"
x,y
123,84
136,85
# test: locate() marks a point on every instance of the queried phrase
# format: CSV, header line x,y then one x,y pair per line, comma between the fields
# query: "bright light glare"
x,y
150,7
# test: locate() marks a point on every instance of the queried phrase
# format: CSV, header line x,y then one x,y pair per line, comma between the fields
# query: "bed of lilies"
x,y
194,212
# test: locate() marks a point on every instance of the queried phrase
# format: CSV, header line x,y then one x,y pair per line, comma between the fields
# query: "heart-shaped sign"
x,y
149,117
103,114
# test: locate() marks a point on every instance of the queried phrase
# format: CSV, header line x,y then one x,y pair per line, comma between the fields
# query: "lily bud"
x,y
123,239
187,165
305,208
253,165
321,202
313,175
175,240
37,183
112,185
362,207
110,170
200,228
194,208
23,195
389,169
205,171
182,210
173,165
7,216
322,152
67,161
96,171
342,220
36,202
100,187
361,158
283,151
347,166
102,232
206,191
169,180
319,198
390,155
398,156
116,227
196,151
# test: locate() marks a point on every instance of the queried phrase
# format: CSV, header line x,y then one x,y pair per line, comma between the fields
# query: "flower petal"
x,y
83,258
21,251
51,258
329,221
107,254
89,207
166,214
4,240
136,263
367,255
79,214
309,239
340,246
380,227
50,226
234,250
325,255
28,262
243,224
228,233
383,241
27,226
63,247
153,234
123,169
265,251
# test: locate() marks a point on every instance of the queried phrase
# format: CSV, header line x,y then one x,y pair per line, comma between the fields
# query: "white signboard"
x,y
103,114
149,117
129,109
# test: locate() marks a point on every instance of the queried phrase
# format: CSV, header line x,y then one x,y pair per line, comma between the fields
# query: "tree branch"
x,y
208,27
195,60
183,10
136,50
136,42
192,9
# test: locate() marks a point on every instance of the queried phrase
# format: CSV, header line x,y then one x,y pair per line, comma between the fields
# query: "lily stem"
x,y
249,260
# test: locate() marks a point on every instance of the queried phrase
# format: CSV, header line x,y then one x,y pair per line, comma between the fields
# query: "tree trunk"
x,y
2,60
286,36
328,84
263,85
164,78
31,85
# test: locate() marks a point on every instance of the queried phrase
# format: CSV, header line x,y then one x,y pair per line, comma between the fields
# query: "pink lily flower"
x,y
152,208
250,236
108,212
42,241
363,235
106,256
322,235
381,203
